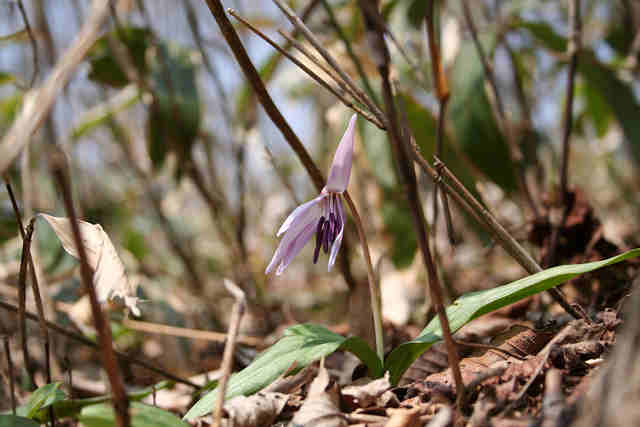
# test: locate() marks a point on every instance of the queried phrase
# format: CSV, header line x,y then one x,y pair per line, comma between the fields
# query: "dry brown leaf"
x,y
109,277
258,410
321,408
405,418
363,395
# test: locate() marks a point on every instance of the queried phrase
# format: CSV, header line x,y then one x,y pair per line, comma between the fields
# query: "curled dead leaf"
x,y
254,411
366,394
321,408
109,277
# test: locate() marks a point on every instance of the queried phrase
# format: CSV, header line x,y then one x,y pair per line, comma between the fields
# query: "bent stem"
x,y
374,290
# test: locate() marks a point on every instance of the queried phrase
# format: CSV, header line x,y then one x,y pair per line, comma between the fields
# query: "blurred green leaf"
x,y
618,95
300,344
477,132
101,114
602,80
544,33
596,108
6,78
105,68
43,397
174,115
245,108
9,108
475,304
399,223
103,415
15,421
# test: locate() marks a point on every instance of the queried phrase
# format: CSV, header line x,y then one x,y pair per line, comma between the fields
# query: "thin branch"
x,y
499,233
34,44
35,288
89,343
322,65
38,102
336,92
22,295
250,72
194,334
515,152
227,357
409,184
59,169
347,44
12,389
298,24
573,48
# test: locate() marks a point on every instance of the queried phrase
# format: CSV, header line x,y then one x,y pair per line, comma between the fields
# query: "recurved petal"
x,y
297,225
296,246
301,214
342,160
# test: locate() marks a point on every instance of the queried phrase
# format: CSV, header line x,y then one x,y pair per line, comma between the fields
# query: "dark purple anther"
x,y
316,251
333,229
325,237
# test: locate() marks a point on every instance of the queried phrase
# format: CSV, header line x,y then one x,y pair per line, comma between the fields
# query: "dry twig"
x,y
38,102
229,348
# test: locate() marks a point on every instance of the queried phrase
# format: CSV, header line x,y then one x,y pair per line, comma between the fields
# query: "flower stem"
x,y
374,290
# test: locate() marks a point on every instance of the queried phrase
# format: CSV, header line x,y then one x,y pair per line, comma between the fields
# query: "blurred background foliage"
x,y
173,156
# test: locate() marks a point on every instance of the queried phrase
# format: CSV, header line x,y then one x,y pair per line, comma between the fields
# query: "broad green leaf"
x,y
105,68
103,415
300,345
476,130
174,115
43,397
102,113
475,304
15,421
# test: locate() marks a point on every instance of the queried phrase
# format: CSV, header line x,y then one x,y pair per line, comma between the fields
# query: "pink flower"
x,y
322,216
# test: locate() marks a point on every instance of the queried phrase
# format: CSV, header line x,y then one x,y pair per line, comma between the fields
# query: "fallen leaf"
x,y
363,395
109,277
261,409
321,408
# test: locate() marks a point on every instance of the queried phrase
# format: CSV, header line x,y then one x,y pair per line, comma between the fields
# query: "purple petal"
x,y
296,246
338,242
342,160
300,213
294,225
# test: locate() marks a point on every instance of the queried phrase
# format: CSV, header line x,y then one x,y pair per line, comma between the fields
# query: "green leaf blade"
x,y
142,415
475,304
